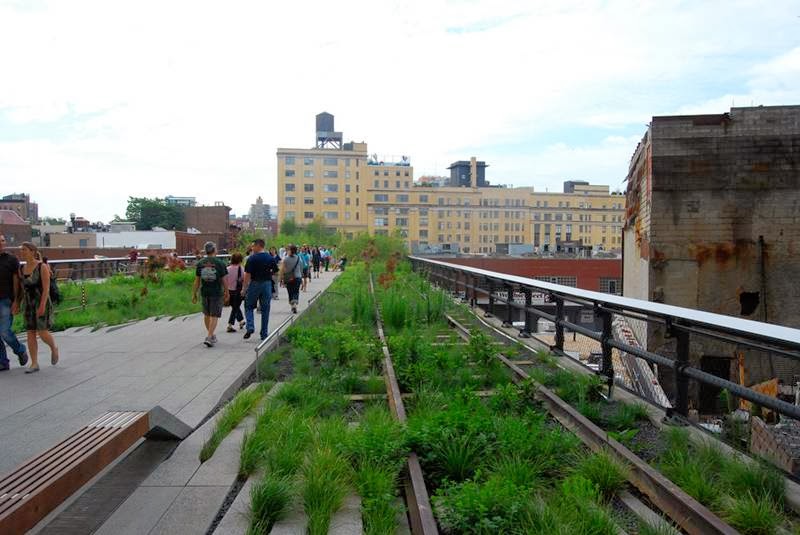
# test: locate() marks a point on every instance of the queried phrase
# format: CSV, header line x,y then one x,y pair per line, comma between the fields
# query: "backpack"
x,y
208,272
55,293
288,274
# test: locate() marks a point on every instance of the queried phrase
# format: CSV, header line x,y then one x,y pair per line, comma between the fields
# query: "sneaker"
x,y
230,329
294,310
23,360
213,338
208,341
241,325
248,334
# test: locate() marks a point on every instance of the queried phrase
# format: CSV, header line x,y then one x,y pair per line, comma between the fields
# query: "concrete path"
x,y
137,366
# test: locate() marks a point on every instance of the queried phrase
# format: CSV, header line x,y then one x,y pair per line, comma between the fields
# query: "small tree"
x,y
288,227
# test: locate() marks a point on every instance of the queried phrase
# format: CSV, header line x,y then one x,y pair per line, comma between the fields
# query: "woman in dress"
x,y
35,278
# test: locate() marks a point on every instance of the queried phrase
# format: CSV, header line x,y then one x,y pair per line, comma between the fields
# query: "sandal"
x,y
32,370
54,358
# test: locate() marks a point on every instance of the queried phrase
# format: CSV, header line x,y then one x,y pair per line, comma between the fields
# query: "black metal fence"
x,y
101,268
680,323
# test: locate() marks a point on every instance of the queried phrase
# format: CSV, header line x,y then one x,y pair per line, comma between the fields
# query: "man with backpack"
x,y
210,279
258,287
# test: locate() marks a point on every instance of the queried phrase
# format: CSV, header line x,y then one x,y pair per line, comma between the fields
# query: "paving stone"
x,y
295,523
347,520
223,467
192,511
237,518
141,511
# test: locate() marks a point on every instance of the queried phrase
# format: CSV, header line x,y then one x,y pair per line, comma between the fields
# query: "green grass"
x,y
120,299
270,500
608,475
326,477
233,413
752,515
627,415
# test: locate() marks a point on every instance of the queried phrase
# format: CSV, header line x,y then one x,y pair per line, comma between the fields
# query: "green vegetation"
x,y
270,500
120,299
233,413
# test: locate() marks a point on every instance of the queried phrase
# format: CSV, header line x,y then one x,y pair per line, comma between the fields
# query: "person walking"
x,y
35,282
258,287
316,260
9,305
326,257
235,282
274,253
306,258
210,279
291,275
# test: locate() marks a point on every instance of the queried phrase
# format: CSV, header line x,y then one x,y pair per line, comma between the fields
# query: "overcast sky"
x,y
102,99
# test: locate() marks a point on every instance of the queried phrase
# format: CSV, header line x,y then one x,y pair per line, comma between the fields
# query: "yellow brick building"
x,y
355,193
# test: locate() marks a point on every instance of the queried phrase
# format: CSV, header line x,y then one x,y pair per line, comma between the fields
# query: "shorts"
x,y
212,305
316,268
306,273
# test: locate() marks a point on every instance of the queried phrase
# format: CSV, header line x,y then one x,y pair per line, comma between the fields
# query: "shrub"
x,y
752,515
491,507
325,485
626,416
604,471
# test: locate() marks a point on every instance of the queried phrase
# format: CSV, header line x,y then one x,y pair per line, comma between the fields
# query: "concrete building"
x,y
122,226
461,174
259,213
355,193
14,228
713,223
22,205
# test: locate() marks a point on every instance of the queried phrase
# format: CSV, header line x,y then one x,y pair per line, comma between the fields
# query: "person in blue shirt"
x,y
305,256
257,287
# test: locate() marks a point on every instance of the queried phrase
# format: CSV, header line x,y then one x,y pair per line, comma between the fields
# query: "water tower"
x,y
327,138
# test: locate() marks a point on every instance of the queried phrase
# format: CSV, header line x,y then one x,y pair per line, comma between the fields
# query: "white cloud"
x,y
193,98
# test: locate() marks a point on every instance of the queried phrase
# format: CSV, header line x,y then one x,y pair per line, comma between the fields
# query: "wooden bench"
x,y
41,484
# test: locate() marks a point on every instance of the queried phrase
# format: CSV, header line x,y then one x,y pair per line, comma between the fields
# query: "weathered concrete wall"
x,y
722,229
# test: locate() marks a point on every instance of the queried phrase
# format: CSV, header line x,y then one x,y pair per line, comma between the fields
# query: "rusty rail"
x,y
688,513
419,504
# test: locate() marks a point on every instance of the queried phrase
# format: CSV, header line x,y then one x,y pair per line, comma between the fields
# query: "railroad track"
x,y
664,499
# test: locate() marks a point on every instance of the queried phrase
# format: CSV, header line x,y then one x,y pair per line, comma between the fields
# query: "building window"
x,y
330,200
397,173
611,286
308,173
289,172
385,183
331,215
564,281
330,188
402,198
289,160
423,211
381,222
347,188
308,187
347,174
290,215
288,187
377,173
308,200
381,197
397,184
423,234
347,162
288,200
386,173
330,174
330,161
423,198
308,161
381,210
401,221
377,183
308,215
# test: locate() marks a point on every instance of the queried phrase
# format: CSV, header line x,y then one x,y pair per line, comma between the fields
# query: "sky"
x,y
102,99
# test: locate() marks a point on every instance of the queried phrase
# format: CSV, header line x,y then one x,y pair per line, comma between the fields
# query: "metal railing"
x,y
680,323
100,268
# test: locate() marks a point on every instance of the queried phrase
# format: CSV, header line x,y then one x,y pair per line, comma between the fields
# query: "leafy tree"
x,y
288,227
53,221
149,213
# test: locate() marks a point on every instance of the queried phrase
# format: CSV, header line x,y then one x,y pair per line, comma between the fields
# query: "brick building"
x,y
212,221
599,275
22,205
713,223
14,228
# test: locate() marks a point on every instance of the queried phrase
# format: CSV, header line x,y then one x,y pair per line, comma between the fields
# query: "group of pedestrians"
x,y
253,281
26,288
